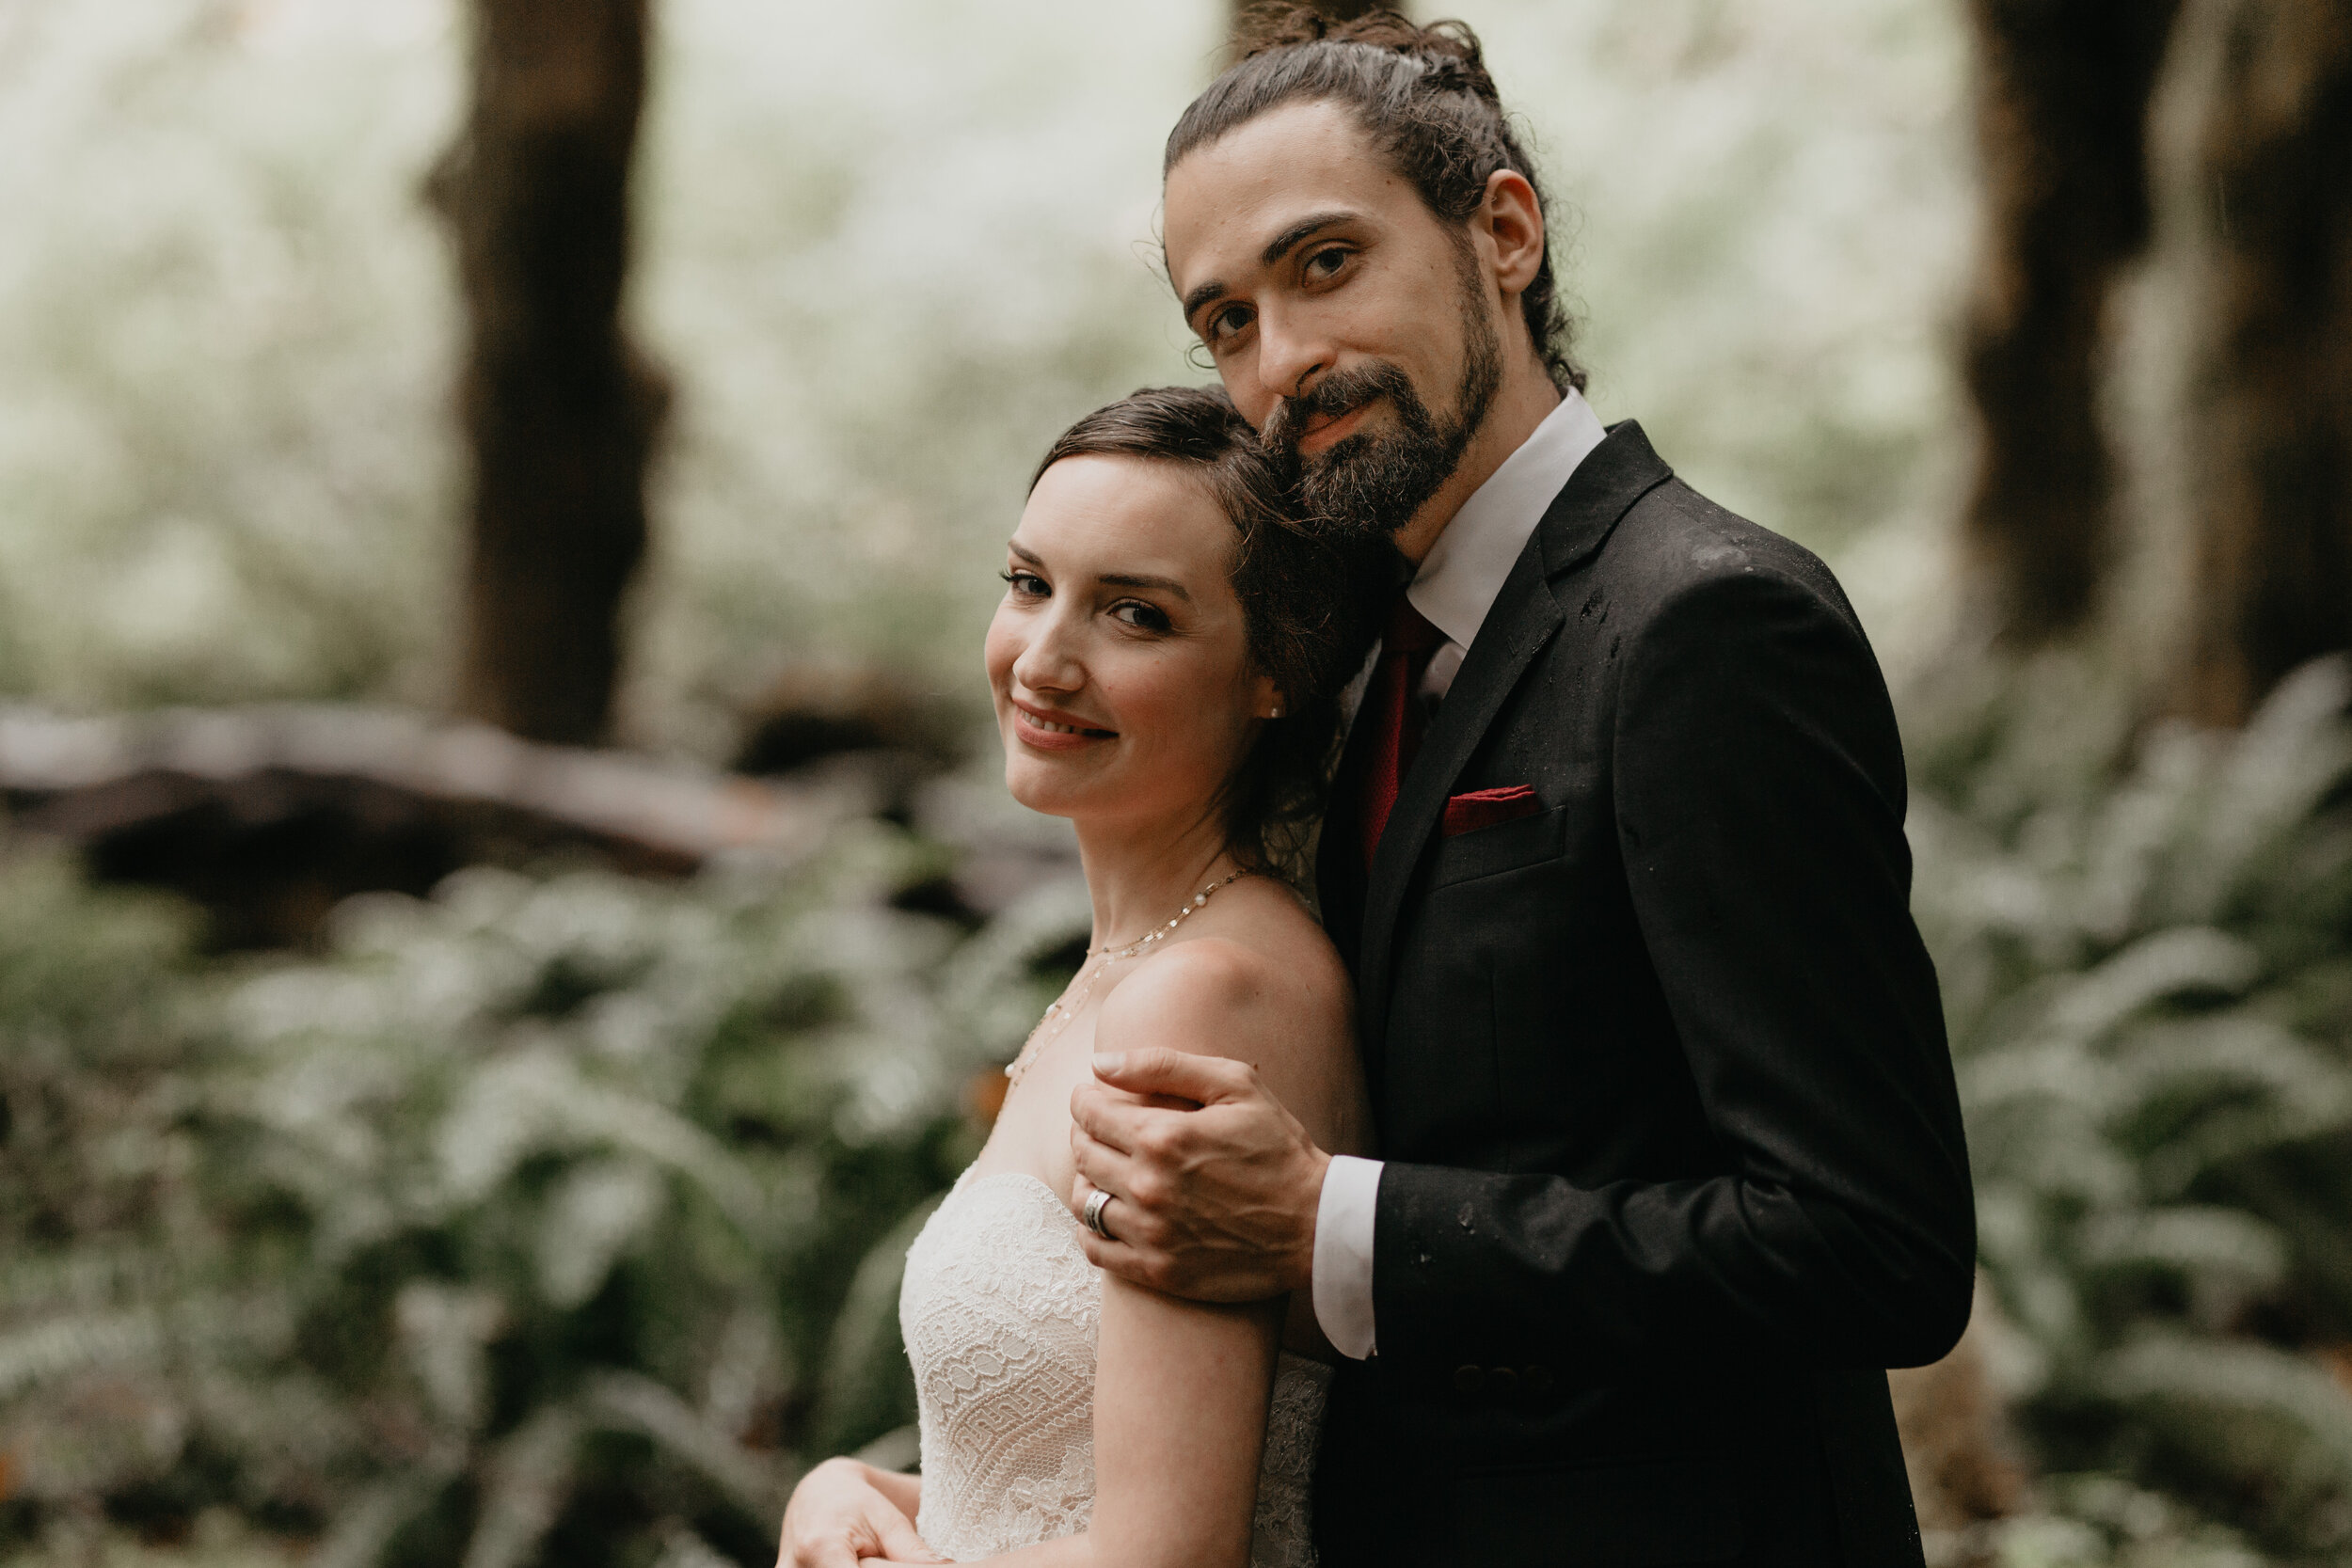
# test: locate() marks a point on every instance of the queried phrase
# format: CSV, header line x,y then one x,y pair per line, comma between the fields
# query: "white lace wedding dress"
x,y
999,1307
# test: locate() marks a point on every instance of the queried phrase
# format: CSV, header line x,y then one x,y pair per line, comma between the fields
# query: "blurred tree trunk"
x,y
559,409
2269,416
2062,110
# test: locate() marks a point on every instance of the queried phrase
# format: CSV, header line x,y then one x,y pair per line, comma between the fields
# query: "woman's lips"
x,y
1324,430
1054,732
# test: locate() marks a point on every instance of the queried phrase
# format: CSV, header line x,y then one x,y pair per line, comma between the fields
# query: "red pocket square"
x,y
1485,808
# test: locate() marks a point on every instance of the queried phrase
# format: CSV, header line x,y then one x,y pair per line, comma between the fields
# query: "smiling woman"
x,y
1165,664
1169,633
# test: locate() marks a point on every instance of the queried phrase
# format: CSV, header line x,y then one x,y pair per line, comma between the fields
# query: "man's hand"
x,y
838,1515
1214,1184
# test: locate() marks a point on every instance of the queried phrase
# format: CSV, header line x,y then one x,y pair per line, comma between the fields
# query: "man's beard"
x,y
1367,486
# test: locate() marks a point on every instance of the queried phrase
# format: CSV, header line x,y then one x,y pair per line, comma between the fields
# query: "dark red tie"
x,y
1393,709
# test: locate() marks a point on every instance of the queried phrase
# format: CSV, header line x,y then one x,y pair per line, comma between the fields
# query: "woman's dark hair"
x,y
1421,95
1302,597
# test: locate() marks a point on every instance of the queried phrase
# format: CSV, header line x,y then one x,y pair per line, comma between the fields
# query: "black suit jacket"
x,y
1674,1163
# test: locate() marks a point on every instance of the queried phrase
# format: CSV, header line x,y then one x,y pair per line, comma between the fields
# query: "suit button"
x,y
1467,1379
1538,1377
1503,1382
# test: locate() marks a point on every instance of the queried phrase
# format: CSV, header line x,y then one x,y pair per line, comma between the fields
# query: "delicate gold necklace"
x,y
1098,959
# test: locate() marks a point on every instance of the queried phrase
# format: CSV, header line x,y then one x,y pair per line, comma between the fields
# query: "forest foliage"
x,y
563,1212
2151,1005
553,1215
557,1216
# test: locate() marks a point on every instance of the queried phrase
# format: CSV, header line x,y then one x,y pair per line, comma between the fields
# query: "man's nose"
x,y
1292,356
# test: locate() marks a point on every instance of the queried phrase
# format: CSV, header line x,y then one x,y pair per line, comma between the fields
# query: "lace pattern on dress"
x,y
1000,1310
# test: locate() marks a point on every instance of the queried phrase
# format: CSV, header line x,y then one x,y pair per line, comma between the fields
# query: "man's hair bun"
x,y
1448,51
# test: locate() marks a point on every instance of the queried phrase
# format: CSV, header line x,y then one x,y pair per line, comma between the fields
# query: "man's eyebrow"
x,y
1212,289
1278,248
1306,228
1166,585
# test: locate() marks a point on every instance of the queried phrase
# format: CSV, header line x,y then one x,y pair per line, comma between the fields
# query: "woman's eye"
x,y
1027,584
1143,617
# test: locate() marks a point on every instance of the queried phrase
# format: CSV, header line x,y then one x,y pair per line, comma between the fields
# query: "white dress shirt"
x,y
1455,589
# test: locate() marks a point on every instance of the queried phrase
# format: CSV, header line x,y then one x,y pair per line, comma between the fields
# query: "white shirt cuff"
x,y
1344,1231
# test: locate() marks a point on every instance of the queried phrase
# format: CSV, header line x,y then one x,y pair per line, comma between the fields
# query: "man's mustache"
x,y
1340,392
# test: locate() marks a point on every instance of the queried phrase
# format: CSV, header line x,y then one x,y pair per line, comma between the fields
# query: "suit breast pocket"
x,y
1505,846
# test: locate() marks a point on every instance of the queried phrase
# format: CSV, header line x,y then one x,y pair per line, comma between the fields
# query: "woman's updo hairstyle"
x,y
1425,101
1302,601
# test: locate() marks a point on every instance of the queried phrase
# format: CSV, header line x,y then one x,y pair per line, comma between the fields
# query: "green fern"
x,y
2145,978
524,1225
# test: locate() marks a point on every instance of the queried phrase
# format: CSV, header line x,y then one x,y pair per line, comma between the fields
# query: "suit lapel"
x,y
1523,619
1526,613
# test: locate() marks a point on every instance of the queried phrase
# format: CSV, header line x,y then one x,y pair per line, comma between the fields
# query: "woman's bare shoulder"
x,y
1267,965
1268,989
1211,984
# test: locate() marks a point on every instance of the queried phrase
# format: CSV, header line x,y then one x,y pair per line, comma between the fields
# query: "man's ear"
x,y
1513,220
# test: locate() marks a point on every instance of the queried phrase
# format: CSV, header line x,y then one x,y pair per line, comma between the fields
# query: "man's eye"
x,y
1326,263
1028,584
1143,617
1225,323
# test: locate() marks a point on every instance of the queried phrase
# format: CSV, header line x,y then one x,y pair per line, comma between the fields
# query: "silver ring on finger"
x,y
1096,1203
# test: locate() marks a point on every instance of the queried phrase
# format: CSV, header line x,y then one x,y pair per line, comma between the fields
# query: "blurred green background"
x,y
419,1147
889,250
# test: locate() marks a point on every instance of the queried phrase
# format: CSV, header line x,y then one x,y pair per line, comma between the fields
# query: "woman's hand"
x,y
841,1514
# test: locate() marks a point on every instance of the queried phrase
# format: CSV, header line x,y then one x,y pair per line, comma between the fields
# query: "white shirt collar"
x,y
1464,569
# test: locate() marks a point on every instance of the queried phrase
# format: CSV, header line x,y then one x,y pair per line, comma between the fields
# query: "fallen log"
x,y
270,816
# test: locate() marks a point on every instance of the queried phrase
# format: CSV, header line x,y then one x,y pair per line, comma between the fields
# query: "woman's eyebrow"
x,y
1129,579
1112,579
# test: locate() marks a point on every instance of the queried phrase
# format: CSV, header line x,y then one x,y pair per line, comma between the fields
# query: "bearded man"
x,y
1672,1161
